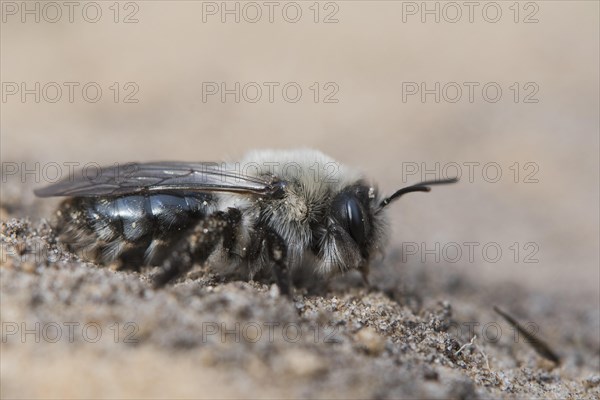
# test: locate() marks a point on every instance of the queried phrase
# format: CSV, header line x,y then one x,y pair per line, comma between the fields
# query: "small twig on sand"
x,y
472,343
485,357
538,344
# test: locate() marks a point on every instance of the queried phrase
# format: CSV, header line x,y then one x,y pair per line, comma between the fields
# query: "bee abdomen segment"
x,y
137,229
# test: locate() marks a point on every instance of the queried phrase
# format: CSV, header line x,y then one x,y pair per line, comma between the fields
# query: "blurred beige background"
x,y
367,54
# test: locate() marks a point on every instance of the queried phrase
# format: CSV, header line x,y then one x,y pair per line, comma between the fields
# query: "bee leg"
x,y
199,244
364,272
278,253
178,263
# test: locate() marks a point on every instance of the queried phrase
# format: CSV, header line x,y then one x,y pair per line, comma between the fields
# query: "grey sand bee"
x,y
275,211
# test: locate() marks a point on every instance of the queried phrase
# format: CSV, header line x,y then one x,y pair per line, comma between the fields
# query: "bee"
x,y
275,212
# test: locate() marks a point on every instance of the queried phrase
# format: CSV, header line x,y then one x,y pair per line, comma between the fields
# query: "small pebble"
x,y
592,381
274,291
371,341
302,363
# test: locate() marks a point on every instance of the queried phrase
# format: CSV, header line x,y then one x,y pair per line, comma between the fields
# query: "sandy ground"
x,y
74,330
529,170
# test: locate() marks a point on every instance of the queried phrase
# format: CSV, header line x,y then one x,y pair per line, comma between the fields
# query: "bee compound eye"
x,y
356,221
348,212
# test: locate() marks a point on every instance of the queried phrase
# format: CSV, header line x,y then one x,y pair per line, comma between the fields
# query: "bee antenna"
x,y
419,187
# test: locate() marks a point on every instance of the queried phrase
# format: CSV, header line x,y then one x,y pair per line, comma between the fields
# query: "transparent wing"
x,y
160,177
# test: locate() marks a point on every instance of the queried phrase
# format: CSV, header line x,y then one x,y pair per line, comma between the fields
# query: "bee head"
x,y
357,225
353,230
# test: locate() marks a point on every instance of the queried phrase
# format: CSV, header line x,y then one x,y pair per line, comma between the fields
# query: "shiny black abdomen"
x,y
138,229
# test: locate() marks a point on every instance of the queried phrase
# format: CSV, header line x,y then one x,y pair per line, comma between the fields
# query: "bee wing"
x,y
161,177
